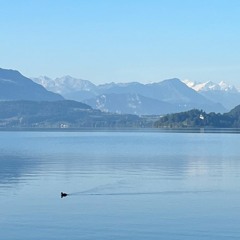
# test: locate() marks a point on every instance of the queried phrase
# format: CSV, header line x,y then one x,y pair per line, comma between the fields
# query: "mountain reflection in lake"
x,y
121,185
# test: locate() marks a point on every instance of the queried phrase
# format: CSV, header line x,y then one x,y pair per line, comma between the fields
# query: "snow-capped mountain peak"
x,y
225,87
189,83
210,86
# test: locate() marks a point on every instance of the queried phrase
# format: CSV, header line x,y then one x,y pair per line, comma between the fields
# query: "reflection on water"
x,y
13,168
121,185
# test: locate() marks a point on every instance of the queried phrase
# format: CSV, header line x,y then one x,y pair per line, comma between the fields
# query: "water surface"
x,y
121,185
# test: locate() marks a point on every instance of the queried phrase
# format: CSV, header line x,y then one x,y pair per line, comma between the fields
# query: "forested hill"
x,y
60,114
198,118
72,114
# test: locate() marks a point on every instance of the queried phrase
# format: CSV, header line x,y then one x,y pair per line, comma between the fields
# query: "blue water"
x,y
129,185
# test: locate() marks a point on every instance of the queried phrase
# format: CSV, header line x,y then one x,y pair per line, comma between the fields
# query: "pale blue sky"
x,y
122,40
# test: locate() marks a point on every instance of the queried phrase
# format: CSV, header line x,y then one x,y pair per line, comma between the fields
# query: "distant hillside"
x,y
172,96
198,118
167,96
14,86
60,114
133,103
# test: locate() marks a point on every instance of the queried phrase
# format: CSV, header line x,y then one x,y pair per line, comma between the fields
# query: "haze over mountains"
x,y
167,96
26,104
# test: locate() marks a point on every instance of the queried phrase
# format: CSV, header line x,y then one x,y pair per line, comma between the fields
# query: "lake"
x,y
121,185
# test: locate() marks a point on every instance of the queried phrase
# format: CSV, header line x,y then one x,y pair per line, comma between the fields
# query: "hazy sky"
x,y
122,40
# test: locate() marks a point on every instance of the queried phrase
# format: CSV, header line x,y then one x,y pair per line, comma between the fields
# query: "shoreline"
x,y
152,130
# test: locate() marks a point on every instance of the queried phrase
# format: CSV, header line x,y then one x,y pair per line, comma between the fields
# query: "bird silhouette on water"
x,y
63,194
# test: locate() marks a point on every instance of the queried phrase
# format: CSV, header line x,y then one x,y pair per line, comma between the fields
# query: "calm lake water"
x,y
121,185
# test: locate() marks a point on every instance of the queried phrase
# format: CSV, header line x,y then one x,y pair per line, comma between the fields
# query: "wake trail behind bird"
x,y
113,189
97,189
85,193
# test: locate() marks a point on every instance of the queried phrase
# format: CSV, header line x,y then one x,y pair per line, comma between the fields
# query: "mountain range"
x,y
168,96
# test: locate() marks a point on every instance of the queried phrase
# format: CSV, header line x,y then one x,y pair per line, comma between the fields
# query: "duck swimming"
x,y
63,194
